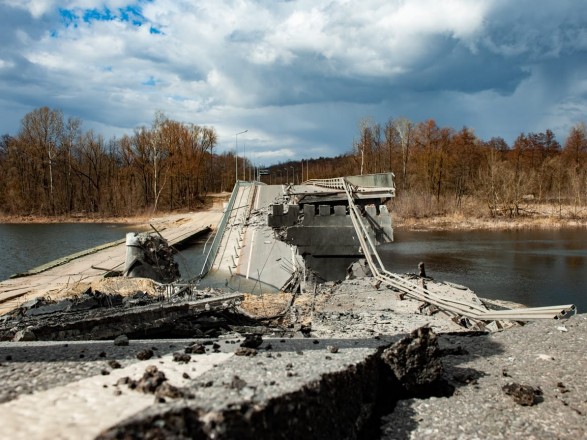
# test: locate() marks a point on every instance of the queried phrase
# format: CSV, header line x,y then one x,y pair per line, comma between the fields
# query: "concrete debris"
x,y
415,360
252,341
110,316
154,382
150,256
121,340
358,269
183,358
245,351
524,395
25,335
195,348
145,354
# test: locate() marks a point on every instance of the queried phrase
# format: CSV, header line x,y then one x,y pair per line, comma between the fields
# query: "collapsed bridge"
x,y
290,236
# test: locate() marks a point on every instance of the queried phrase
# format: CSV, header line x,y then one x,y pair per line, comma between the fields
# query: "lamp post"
x,y
293,176
236,155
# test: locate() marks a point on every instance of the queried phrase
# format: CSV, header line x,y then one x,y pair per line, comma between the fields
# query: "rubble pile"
x,y
156,260
98,316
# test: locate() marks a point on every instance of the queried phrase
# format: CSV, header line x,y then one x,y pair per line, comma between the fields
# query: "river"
x,y
532,267
25,246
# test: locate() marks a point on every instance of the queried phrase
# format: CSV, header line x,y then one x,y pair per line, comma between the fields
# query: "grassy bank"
x,y
420,212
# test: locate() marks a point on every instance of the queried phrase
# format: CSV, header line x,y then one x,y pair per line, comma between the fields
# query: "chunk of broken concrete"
x,y
121,340
415,360
24,335
252,341
60,306
524,395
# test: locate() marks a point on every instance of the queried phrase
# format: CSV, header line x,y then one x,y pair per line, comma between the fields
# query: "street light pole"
x,y
293,176
236,155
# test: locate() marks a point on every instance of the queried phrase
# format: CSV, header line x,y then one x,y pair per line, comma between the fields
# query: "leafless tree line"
x,y
445,167
54,167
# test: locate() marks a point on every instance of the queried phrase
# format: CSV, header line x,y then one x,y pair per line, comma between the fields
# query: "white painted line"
x,y
251,253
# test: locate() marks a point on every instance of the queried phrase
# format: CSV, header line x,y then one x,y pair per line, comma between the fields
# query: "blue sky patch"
x,y
151,82
132,14
91,15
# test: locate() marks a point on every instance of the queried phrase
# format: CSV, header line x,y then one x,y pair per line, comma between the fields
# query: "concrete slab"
x,y
59,279
249,248
83,408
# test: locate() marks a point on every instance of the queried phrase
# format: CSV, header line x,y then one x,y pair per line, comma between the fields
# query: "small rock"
x,y
168,390
524,395
562,388
332,349
181,357
244,351
252,341
237,383
143,355
24,335
114,364
121,341
195,348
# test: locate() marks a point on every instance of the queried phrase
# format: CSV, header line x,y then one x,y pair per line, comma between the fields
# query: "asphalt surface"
x,y
263,257
550,355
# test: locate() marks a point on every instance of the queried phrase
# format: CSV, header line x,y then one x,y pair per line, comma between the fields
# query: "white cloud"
x,y
297,74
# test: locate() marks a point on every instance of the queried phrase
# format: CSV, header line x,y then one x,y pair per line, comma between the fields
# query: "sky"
x,y
297,75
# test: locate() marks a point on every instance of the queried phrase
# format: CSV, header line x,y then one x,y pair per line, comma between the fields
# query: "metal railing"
x,y
456,307
220,230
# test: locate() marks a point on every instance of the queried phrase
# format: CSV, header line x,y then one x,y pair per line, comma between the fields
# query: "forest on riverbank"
x,y
54,168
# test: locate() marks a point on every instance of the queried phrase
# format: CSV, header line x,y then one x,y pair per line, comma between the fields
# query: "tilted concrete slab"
x,y
91,267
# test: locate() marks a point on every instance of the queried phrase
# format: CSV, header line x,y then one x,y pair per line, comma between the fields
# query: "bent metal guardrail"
x,y
456,307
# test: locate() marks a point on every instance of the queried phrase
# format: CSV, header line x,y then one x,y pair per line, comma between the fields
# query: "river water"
x,y
531,267
25,246
535,268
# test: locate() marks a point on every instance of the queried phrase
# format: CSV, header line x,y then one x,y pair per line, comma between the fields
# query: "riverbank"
x,y
454,222
462,223
212,202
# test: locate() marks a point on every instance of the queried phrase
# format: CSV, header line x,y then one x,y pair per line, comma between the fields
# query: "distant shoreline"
x,y
458,223
434,223
43,219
